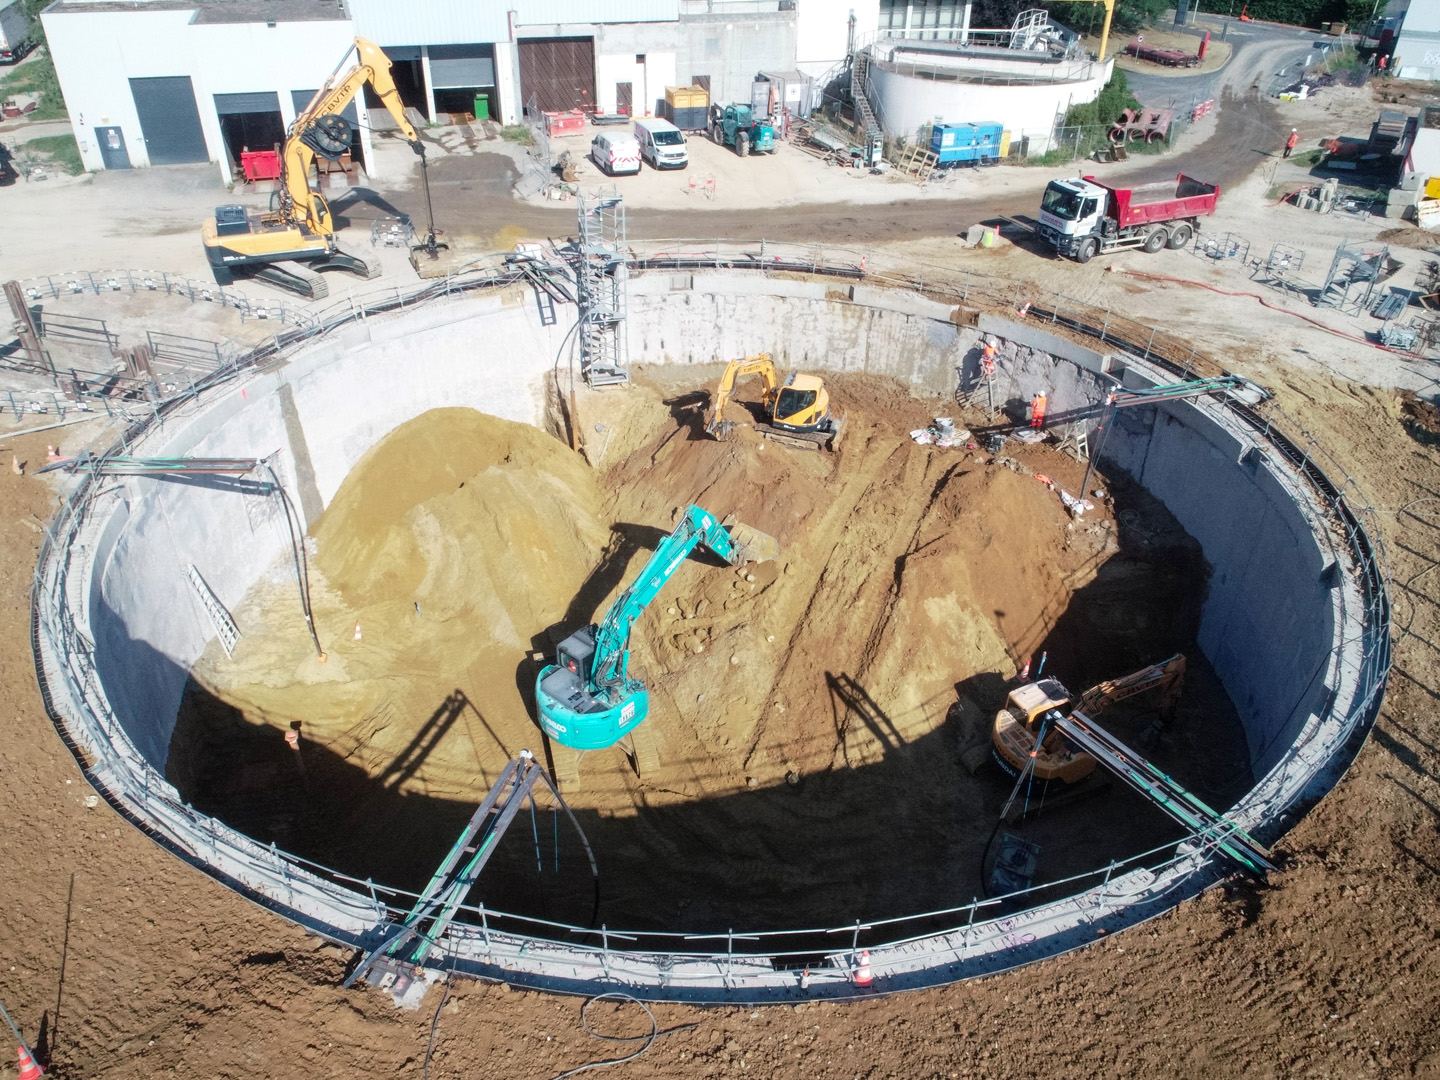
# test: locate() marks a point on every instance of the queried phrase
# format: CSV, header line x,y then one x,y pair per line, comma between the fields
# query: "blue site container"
x,y
966,144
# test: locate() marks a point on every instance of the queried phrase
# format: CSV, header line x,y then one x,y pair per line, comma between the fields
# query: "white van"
x,y
616,152
661,143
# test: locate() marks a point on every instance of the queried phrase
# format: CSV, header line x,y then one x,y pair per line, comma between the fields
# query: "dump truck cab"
x,y
1072,211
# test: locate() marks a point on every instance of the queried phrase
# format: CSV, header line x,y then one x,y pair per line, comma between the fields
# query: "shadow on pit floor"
x,y
904,831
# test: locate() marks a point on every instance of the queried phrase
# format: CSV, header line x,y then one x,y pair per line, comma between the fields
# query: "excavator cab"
x,y
796,413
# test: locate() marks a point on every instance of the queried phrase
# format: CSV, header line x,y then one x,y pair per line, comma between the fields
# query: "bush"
x,y
37,77
518,133
1114,99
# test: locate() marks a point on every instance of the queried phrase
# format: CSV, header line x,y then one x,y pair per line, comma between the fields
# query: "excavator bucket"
x,y
751,545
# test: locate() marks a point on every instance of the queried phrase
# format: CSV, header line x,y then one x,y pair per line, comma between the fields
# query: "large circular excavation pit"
x,y
805,717
813,718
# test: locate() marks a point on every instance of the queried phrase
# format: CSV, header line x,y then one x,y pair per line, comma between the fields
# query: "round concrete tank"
x,y
1295,621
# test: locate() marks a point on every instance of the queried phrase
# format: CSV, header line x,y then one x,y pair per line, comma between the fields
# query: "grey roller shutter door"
x,y
301,98
169,120
461,66
230,104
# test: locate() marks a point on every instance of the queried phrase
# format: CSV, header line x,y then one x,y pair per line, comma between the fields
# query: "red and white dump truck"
x,y
1081,218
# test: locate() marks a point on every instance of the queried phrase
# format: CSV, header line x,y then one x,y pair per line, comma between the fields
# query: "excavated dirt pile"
x,y
809,715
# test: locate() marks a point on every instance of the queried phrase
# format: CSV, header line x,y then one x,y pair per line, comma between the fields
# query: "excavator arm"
x,y
759,364
732,541
1167,675
314,132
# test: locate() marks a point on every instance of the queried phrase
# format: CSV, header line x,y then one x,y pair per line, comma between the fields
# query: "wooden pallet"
x,y
917,162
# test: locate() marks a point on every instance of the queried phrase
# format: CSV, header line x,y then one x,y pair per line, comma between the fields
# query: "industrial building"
x,y
170,81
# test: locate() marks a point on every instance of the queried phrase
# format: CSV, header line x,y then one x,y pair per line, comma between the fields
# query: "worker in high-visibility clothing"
x,y
1037,411
987,360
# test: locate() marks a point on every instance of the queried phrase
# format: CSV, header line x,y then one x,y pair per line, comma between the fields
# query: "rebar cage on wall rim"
x,y
982,937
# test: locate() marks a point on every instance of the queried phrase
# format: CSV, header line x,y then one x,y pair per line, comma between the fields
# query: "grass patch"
x,y
37,76
61,149
518,133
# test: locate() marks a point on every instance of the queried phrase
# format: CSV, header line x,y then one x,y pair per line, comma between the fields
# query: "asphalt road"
x,y
472,194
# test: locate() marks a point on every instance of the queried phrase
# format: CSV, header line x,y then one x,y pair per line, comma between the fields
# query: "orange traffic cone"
x,y
1025,671
862,973
357,632
28,1069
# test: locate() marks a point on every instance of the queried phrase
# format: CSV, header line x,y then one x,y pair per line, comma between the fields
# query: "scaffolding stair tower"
x,y
602,277
865,122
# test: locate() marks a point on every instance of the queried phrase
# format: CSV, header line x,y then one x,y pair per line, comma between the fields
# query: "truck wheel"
x,y
1086,251
1180,236
715,134
742,143
1156,239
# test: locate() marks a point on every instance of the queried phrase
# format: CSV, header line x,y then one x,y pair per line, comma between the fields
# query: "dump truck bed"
x,y
1183,197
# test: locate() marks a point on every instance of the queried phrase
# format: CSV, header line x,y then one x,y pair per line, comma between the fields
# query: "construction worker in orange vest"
x,y
1291,141
987,359
1037,411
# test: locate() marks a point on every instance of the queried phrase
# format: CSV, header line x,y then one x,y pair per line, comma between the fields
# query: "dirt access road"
x,y
472,194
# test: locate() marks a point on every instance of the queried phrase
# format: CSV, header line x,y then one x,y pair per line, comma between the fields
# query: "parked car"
x,y
616,152
661,143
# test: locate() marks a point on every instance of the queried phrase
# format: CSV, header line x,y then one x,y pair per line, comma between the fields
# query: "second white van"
x,y
616,152
661,143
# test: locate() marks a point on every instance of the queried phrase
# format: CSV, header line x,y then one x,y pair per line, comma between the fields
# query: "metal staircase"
x,y
601,276
865,121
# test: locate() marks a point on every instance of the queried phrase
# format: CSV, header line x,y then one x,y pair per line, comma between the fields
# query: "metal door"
x,y
113,153
623,92
559,73
169,120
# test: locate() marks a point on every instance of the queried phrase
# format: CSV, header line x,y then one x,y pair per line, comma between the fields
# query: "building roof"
x,y
216,11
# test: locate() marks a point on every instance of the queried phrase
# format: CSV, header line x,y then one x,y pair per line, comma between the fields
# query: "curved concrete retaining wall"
x,y
1285,623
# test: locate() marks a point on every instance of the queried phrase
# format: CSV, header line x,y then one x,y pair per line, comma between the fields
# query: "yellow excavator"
x,y
796,412
297,237
1056,759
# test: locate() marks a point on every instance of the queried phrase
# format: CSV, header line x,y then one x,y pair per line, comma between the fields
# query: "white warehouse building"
x,y
156,82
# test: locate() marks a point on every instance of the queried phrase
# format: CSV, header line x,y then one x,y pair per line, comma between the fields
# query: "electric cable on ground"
x,y
649,1040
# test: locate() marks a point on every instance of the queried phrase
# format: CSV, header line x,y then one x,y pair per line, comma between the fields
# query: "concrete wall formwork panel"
x,y
1276,632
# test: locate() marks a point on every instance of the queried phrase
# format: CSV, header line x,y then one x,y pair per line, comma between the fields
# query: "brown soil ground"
x,y
1331,970
804,711
134,965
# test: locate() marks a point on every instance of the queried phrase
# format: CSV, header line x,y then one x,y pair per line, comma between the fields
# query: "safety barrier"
x,y
982,937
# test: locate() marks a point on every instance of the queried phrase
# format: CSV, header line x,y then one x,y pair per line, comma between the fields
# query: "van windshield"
x,y
668,138
1061,203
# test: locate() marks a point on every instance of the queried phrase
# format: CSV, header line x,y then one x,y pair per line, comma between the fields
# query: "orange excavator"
x,y
1018,722
297,238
